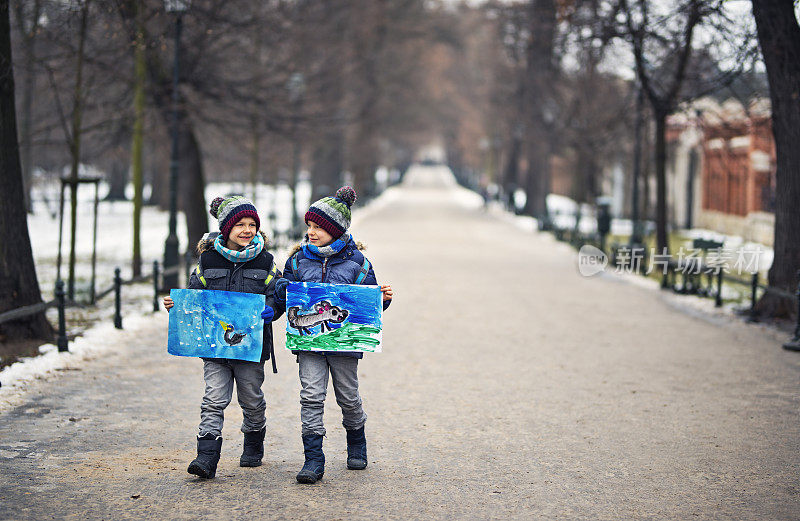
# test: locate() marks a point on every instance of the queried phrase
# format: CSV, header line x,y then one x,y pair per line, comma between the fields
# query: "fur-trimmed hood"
x,y
207,242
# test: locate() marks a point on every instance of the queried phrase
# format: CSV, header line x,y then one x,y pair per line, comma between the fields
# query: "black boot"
x,y
253,449
356,449
314,467
208,449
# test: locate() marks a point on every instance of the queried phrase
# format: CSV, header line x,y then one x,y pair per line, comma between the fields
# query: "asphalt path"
x,y
510,387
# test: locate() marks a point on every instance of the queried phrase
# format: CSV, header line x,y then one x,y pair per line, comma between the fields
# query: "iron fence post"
x,y
117,299
753,317
61,340
718,298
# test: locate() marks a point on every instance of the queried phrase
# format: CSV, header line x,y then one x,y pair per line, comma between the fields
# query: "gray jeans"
x,y
314,370
220,375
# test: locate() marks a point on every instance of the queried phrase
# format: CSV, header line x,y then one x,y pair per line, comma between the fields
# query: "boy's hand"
x,y
168,302
268,314
386,289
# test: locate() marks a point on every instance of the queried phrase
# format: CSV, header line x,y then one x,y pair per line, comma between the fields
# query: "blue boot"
x,y
356,449
314,467
208,449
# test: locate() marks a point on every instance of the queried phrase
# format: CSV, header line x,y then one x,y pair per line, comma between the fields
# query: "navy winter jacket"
x,y
341,268
218,273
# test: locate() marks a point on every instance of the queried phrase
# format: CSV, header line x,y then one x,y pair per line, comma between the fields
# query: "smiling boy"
x,y
329,254
235,259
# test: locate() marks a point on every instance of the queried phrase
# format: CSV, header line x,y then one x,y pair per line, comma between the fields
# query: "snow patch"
x,y
100,339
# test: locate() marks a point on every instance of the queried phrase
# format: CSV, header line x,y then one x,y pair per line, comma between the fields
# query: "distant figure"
x,y
239,260
328,253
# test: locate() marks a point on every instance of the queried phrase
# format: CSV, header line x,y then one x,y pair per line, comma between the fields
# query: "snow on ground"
x,y
100,338
115,231
95,324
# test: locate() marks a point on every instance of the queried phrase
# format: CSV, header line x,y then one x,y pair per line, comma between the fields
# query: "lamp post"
x,y
171,245
297,87
636,236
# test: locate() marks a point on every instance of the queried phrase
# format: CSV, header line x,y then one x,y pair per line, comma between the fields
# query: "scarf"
x,y
250,252
326,251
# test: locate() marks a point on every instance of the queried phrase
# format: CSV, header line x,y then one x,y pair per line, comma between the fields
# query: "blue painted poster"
x,y
216,324
333,317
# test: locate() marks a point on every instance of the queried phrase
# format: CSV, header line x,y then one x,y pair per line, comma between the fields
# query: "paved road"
x,y
510,388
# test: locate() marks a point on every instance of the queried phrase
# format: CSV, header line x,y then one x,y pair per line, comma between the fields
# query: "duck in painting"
x,y
230,337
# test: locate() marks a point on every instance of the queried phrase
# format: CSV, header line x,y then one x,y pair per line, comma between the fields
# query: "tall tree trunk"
x,y
327,164
137,140
75,147
511,171
540,74
28,26
369,46
158,169
538,183
662,243
255,144
589,175
779,36
18,283
192,199
117,180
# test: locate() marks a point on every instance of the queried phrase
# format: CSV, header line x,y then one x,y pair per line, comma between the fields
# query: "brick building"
x,y
739,166
736,155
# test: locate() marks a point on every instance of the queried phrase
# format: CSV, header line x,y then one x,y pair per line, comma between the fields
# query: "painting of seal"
x,y
323,315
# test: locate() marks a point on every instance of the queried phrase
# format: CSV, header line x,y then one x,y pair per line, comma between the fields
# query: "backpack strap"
x,y
294,263
364,271
272,271
199,271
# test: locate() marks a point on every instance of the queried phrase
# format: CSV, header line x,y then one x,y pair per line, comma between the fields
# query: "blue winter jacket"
x,y
341,268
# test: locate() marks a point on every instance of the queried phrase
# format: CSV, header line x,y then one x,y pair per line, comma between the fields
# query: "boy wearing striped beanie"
x,y
329,254
235,259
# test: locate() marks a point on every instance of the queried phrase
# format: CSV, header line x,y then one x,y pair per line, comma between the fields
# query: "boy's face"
x,y
317,235
242,233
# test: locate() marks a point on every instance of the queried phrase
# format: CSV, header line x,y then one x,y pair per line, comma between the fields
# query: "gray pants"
x,y
220,374
314,370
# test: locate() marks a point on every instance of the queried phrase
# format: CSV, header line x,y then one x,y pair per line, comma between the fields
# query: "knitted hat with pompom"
x,y
230,210
332,214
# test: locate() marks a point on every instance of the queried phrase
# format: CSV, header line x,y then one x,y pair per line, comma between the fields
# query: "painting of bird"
x,y
230,337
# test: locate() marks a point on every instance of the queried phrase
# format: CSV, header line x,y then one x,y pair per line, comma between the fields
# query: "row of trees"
x,y
558,89
265,89
340,87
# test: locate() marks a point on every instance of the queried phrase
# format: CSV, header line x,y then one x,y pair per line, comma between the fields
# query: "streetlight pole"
x,y
636,236
171,245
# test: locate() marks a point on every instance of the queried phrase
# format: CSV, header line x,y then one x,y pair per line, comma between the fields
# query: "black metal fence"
x,y
60,300
692,280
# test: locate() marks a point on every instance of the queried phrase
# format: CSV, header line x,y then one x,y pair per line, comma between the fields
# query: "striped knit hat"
x,y
332,214
231,210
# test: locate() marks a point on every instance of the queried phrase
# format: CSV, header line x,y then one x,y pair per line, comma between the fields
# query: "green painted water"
x,y
350,337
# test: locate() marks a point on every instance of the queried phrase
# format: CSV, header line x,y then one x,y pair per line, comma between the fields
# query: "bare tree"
x,y
28,15
779,36
18,282
671,68
539,104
